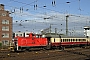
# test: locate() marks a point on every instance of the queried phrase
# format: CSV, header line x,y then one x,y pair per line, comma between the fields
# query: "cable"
x,y
39,7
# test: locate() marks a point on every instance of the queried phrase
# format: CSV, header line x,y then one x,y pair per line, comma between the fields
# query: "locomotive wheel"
x,y
62,48
48,47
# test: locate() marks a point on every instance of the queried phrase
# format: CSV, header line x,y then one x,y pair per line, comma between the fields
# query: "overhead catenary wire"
x,y
38,7
21,8
25,4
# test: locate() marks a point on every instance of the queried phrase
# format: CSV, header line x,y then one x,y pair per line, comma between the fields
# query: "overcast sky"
x,y
29,15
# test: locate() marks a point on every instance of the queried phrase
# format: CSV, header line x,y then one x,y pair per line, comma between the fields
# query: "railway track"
x,y
83,52
67,53
76,54
5,55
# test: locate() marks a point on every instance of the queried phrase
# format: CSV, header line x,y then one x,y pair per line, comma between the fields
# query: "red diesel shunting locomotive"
x,y
32,40
49,41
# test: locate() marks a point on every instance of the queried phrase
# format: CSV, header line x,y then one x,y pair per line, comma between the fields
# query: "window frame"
x,y
5,28
5,21
5,35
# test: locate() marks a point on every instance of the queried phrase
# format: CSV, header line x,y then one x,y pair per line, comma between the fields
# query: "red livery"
x,y
32,41
48,41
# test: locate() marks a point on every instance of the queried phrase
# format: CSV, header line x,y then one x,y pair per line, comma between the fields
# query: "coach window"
x,y
76,40
61,40
16,34
54,39
73,40
69,40
84,39
20,34
64,40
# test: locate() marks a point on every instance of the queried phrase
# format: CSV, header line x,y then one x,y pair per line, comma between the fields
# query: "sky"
x,y
37,15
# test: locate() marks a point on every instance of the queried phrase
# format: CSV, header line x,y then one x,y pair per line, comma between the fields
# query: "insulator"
x,y
20,25
16,21
67,2
36,5
21,20
14,10
27,9
44,6
20,9
25,20
54,2
61,29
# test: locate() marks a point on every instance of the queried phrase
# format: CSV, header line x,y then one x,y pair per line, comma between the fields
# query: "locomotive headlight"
x,y
43,36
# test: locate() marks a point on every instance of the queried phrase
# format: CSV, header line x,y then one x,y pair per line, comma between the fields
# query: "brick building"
x,y
5,26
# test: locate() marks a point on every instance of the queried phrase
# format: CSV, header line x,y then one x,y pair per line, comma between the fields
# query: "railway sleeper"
x,y
79,53
2,56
